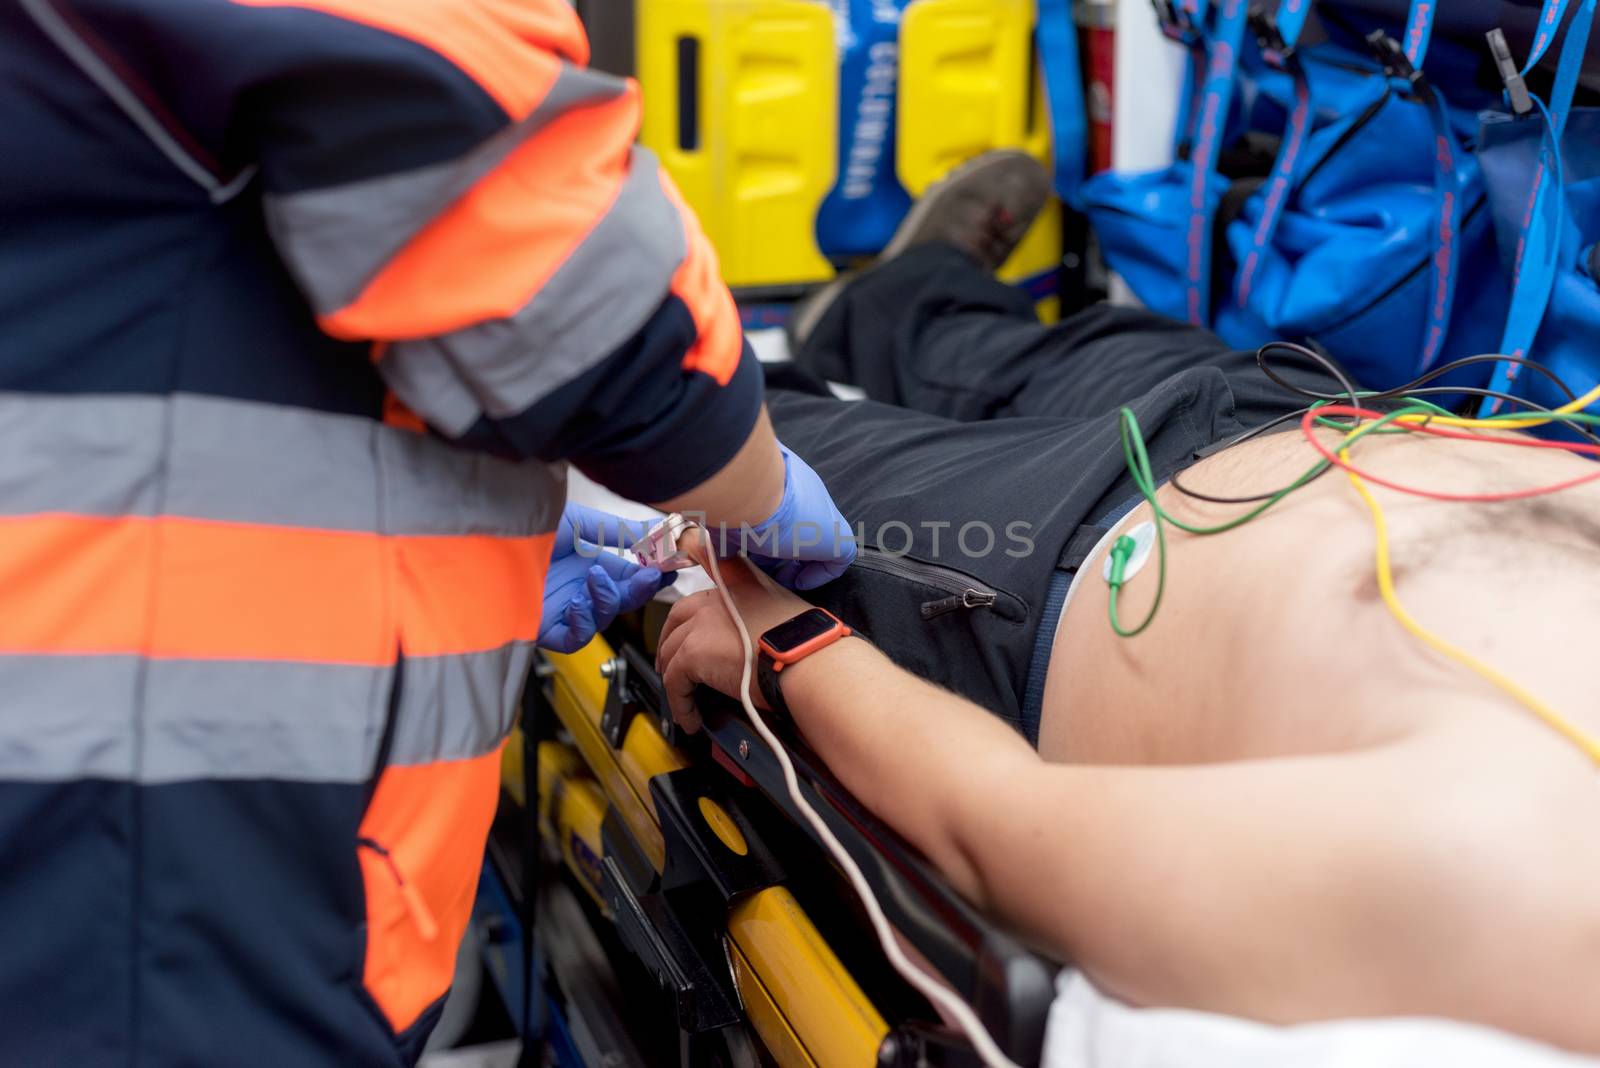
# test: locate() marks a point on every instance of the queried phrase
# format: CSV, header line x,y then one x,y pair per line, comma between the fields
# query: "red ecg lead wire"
x,y
1308,425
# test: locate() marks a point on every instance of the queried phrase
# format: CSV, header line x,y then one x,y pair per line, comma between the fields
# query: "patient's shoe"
x,y
983,208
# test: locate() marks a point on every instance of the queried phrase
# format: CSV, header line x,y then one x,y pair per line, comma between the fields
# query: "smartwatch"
x,y
789,643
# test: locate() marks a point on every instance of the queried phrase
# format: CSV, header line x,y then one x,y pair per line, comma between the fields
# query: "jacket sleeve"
x,y
447,179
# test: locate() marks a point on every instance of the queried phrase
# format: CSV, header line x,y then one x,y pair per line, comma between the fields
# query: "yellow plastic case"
x,y
740,103
967,85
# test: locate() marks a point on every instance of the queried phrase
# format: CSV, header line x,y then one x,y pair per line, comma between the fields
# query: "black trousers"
x,y
986,461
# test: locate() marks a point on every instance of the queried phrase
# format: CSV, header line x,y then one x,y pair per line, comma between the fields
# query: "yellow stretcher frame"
x,y
798,997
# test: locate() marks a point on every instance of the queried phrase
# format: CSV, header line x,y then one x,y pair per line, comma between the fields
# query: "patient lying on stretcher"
x,y
1274,802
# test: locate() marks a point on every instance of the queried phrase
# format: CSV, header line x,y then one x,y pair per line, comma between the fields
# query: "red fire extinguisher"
x,y
1097,39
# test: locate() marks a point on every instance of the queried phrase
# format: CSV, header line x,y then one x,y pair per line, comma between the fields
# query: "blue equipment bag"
x,y
1542,167
1367,235
1370,235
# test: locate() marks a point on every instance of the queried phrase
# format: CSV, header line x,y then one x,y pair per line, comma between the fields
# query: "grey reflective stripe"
x,y
88,455
596,300
455,707
212,458
67,717
53,26
127,719
336,240
429,386
156,721
434,489
220,719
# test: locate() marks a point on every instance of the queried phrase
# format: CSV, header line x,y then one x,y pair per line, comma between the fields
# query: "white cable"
x,y
929,986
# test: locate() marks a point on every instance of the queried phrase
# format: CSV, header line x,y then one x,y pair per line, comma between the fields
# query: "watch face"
x,y
799,630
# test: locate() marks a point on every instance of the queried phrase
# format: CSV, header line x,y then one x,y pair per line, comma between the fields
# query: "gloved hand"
x,y
587,587
807,542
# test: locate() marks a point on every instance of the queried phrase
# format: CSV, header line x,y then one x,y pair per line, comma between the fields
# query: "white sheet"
x,y
1089,1030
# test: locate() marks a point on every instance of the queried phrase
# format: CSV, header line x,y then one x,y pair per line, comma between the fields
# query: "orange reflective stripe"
x,y
71,584
465,594
193,588
396,414
200,589
509,50
698,283
432,821
493,249
552,24
277,593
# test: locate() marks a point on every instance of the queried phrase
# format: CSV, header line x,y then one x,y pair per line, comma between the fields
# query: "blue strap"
x,y
1185,23
1291,19
1419,30
1287,26
1533,268
1533,272
1194,80
1057,40
1572,58
1446,262
1285,176
1444,267
1550,16
1210,124
1401,70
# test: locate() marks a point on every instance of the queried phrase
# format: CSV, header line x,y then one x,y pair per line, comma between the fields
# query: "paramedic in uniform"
x,y
303,309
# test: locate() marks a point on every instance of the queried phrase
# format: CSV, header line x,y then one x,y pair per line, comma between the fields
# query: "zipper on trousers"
x,y
966,599
962,592
410,896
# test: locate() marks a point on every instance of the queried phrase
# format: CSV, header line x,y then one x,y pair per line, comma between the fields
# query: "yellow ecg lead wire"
x,y
1587,743
1506,424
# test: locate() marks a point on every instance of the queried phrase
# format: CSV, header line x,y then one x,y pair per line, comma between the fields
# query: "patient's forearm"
x,y
924,759
1157,881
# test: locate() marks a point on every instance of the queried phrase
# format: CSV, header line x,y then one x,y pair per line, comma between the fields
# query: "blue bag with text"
x,y
1367,234
1371,234
859,214
1542,167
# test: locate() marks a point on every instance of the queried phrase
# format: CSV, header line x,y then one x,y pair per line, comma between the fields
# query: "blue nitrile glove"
x,y
587,587
806,543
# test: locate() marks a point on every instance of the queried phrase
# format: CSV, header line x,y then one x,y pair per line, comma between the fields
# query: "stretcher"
x,y
683,913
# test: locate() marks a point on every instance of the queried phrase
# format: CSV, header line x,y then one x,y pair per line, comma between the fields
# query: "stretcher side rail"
x,y
692,900
669,910
686,904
